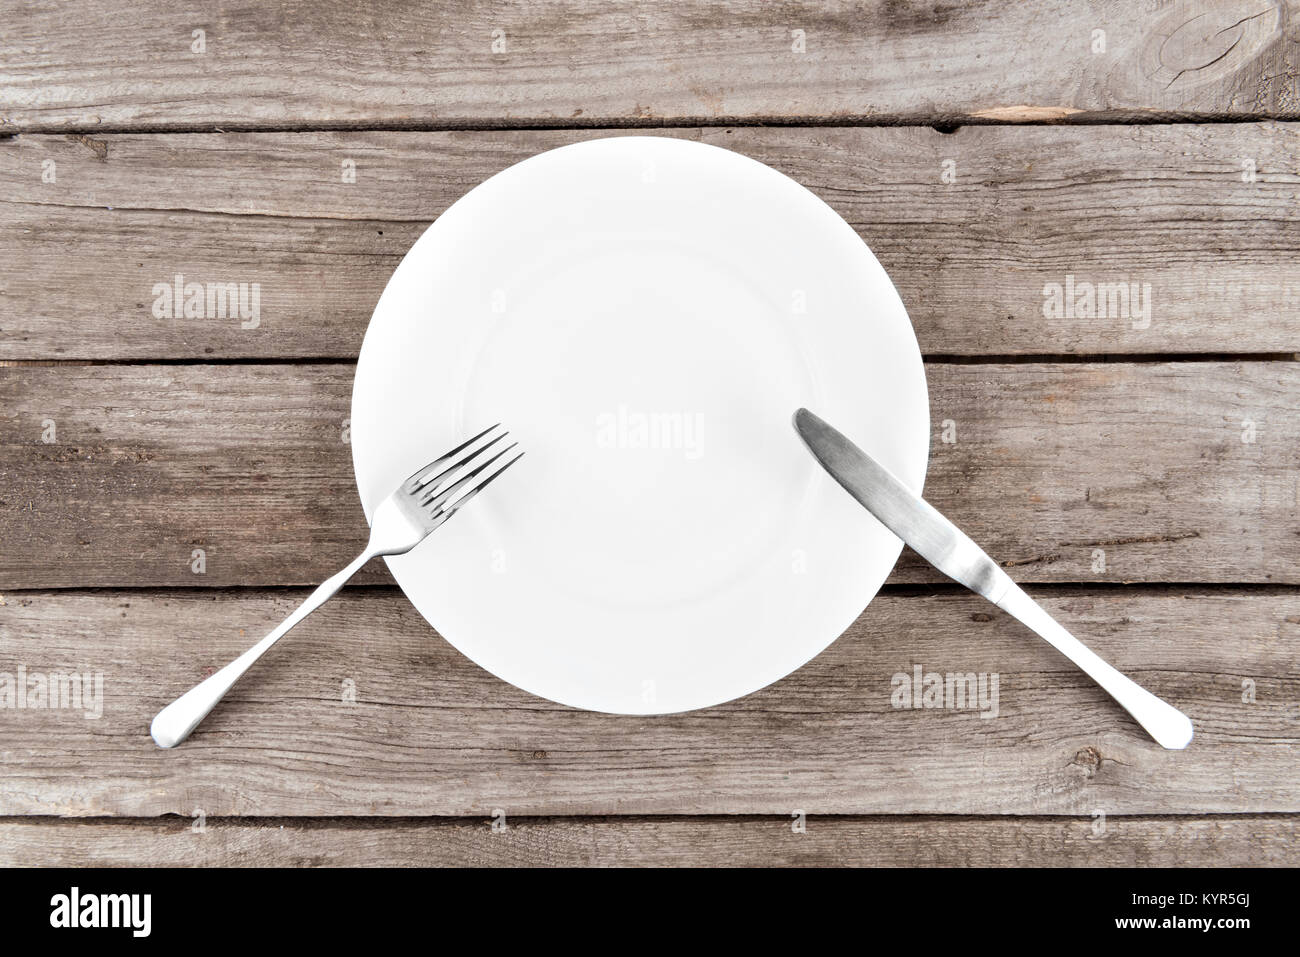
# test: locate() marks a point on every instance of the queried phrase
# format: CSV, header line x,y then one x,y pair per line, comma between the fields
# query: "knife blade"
x,y
918,523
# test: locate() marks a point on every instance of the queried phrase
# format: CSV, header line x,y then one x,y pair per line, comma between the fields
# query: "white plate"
x,y
645,315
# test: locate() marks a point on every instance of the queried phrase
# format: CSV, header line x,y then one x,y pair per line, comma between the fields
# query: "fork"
x,y
422,503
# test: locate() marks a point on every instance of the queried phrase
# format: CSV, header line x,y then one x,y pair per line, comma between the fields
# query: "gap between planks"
x,y
896,589
1136,358
940,123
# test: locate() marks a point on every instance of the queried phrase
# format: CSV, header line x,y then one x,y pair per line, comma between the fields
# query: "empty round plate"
x,y
644,315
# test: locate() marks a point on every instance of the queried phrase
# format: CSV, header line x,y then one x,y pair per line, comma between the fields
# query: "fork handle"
x,y
173,724
1170,727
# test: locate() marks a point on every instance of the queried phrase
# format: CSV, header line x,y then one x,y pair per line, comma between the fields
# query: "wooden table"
x,y
170,486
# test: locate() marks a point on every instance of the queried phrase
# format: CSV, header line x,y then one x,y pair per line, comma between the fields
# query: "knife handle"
x,y
1170,727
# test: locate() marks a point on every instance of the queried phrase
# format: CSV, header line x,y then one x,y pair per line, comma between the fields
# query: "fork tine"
x,y
412,483
440,496
430,486
452,509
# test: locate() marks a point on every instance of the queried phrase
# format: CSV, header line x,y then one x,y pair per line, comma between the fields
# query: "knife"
x,y
947,548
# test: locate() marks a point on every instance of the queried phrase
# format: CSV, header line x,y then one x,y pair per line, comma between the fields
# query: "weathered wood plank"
x,y
1221,841
431,734
1164,207
112,64
1066,472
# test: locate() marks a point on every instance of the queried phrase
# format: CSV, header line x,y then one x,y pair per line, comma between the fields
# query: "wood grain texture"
x,y
110,64
1164,207
1236,841
429,733
1052,464
128,156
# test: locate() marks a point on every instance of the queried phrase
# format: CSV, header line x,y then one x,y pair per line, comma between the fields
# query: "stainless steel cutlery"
x,y
422,503
948,549
437,491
